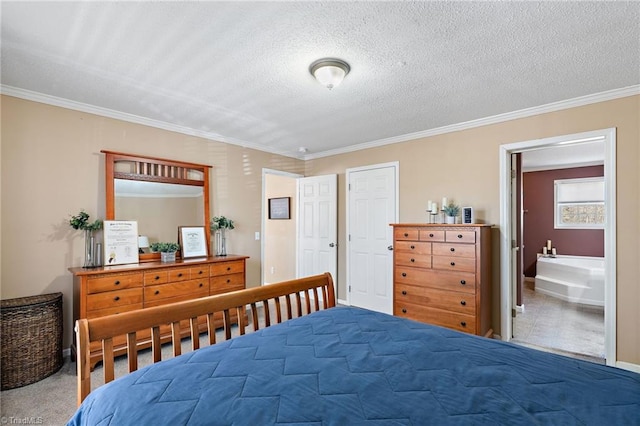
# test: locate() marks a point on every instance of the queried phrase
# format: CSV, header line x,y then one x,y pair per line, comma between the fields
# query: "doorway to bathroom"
x,y
541,306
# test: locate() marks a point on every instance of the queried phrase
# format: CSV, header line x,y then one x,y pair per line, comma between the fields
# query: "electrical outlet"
x,y
273,270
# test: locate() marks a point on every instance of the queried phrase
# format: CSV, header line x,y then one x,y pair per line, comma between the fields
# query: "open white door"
x,y
371,207
318,226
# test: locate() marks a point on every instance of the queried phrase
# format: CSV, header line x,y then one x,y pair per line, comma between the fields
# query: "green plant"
x,y
165,247
81,221
220,222
451,209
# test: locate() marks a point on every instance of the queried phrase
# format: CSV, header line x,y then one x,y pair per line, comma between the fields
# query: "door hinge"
x,y
513,313
349,289
513,174
349,187
514,244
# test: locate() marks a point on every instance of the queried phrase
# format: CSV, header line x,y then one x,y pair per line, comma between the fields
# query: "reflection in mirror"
x,y
159,208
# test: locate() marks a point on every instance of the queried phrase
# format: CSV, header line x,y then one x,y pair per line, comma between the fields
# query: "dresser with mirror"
x,y
160,195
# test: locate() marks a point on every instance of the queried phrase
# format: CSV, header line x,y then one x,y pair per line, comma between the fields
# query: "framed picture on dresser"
x,y
193,241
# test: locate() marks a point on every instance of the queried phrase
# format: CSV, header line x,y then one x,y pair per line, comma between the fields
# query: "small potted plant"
x,y
451,211
81,222
167,251
218,226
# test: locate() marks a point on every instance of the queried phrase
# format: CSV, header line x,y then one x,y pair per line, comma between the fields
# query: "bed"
x,y
346,365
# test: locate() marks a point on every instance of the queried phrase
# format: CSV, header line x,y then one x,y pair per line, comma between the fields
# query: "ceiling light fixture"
x,y
329,71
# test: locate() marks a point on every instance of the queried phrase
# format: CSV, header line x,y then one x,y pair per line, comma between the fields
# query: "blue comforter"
x,y
351,366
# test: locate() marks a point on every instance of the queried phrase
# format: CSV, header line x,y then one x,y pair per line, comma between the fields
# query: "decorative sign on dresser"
x,y
442,275
114,289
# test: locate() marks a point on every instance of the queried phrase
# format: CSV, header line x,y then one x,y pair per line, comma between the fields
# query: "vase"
x,y
221,242
451,219
89,249
168,256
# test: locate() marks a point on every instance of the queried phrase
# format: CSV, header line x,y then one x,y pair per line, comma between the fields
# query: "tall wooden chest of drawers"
x,y
114,289
442,275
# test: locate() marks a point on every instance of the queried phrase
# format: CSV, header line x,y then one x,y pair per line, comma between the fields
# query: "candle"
x,y
444,202
544,250
434,207
553,251
429,205
548,244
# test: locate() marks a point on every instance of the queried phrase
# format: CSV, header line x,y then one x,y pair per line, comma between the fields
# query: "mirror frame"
x,y
153,169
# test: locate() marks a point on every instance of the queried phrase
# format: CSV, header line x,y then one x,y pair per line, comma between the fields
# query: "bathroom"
x,y
560,304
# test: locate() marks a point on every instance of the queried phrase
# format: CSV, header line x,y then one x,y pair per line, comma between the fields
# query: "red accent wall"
x,y
538,218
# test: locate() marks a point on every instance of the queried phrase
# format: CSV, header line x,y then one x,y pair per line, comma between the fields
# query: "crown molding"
x,y
523,113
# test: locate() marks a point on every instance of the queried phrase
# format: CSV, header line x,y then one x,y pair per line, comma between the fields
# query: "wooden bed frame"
x,y
272,296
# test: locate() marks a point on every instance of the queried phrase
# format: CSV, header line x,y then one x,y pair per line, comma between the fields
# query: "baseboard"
x,y
343,302
628,366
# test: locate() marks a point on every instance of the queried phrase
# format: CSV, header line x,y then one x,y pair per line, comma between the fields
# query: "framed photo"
x,y
120,242
193,241
279,208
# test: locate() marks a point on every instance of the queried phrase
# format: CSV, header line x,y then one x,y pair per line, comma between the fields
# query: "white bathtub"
x,y
577,279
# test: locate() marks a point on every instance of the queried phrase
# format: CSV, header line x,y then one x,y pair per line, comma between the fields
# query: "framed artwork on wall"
x,y
279,208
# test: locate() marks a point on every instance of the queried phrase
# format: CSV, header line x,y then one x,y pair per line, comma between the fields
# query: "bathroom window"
x,y
579,203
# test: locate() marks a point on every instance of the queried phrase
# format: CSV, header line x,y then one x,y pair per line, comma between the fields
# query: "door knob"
x,y
332,245
390,248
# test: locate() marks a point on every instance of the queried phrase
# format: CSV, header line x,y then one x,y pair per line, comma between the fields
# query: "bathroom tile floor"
x,y
552,324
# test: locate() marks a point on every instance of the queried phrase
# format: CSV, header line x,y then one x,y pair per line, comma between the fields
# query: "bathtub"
x,y
577,279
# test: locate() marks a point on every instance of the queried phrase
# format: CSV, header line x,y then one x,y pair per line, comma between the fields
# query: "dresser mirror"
x,y
159,194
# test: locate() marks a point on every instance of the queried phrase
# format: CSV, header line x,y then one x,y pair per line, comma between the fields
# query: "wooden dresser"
x,y
442,275
113,289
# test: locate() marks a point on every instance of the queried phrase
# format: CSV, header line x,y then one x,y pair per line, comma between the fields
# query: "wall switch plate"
x,y
257,236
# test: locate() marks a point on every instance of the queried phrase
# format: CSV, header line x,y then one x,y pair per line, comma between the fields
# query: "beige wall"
x,y
465,166
280,234
51,168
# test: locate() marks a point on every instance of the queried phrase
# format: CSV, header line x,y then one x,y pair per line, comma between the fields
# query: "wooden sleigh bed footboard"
x,y
282,301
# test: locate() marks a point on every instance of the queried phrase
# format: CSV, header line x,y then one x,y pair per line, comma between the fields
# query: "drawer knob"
x,y
413,260
157,292
404,274
463,282
157,277
117,282
228,281
406,235
453,263
116,298
201,285
459,235
431,235
453,249
228,268
404,311
463,303
412,247
463,323
200,272
404,292
180,274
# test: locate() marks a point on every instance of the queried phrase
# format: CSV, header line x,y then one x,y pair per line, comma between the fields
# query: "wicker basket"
x,y
31,345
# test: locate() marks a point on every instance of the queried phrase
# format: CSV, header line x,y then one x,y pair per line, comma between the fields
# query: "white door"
x,y
372,206
318,226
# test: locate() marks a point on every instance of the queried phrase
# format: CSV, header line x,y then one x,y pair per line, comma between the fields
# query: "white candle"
x,y
544,250
548,244
429,205
444,202
434,207
553,251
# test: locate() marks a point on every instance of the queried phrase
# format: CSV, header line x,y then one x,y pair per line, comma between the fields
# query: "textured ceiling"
x,y
238,71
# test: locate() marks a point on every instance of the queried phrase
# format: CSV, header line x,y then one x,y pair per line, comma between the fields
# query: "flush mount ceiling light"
x,y
329,71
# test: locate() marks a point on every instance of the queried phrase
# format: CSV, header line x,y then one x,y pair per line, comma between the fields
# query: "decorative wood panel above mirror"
x,y
160,194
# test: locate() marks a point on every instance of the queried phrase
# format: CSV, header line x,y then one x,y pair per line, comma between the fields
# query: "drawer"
x,y
456,281
407,234
197,272
460,237
454,250
167,291
112,299
413,259
413,247
114,310
182,274
180,298
224,283
431,235
223,268
156,277
113,282
451,263
455,301
454,320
